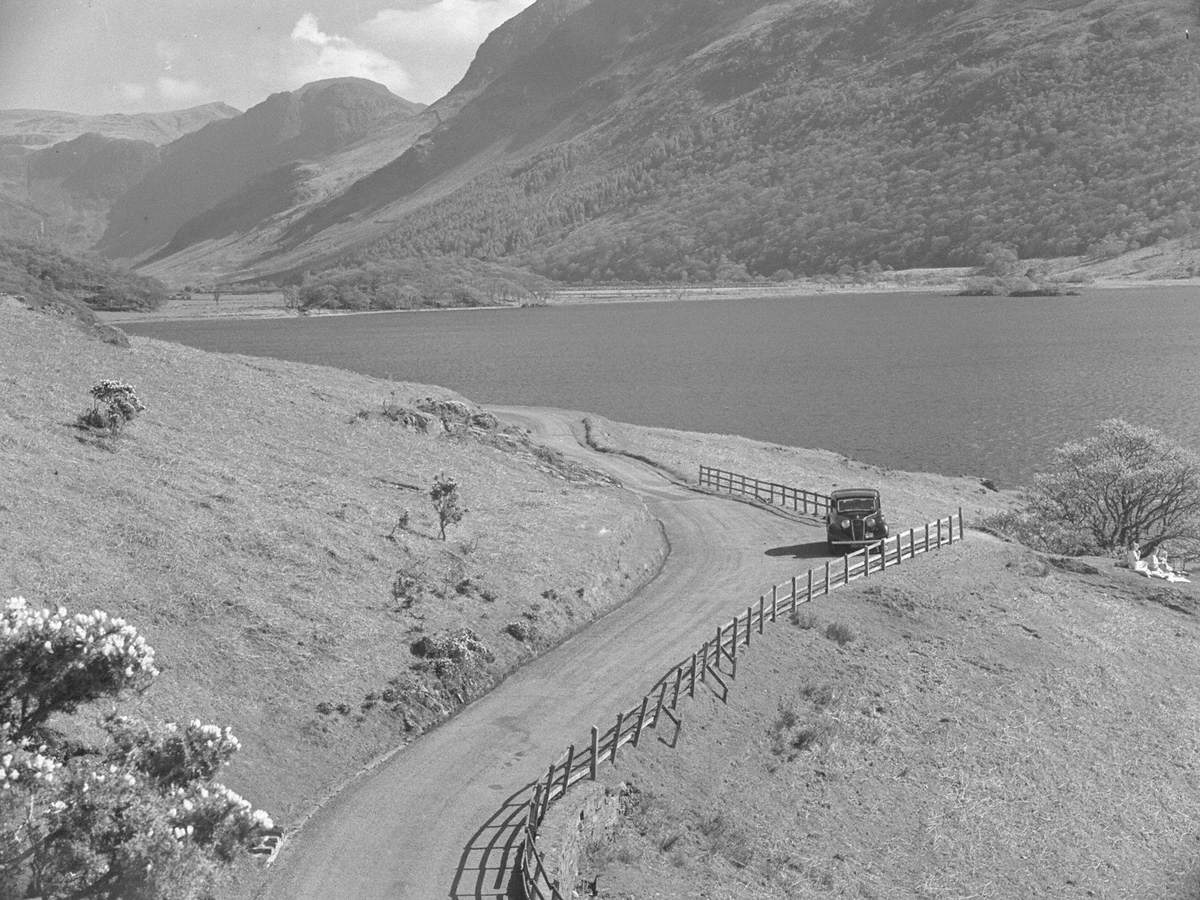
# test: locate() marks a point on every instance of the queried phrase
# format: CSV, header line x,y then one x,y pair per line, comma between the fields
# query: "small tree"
x,y
1124,483
447,502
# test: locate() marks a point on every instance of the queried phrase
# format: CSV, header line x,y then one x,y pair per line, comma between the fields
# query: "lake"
x,y
959,385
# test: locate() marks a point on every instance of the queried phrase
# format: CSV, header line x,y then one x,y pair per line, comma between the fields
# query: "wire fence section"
x,y
797,499
714,665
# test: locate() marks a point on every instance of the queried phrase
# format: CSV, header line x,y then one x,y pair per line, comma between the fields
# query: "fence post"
x,y
774,601
761,605
617,736
567,770
678,679
808,593
534,807
794,586
826,579
546,793
961,533
637,735
595,752
926,549
846,558
750,619
939,532
692,681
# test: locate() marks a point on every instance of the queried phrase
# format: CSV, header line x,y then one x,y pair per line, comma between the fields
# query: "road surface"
x,y
437,820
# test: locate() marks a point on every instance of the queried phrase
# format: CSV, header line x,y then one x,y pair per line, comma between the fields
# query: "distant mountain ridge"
x,y
202,169
41,127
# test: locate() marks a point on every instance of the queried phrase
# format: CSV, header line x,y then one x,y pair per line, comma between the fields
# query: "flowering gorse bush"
x,y
139,815
171,754
21,763
51,661
113,404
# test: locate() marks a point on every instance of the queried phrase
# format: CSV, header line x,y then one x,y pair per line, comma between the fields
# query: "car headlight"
x,y
845,523
870,523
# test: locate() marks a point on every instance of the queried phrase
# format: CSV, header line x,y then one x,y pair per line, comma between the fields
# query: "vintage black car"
x,y
854,519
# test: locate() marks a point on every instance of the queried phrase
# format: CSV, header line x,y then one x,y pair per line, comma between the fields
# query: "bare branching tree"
x,y
1124,483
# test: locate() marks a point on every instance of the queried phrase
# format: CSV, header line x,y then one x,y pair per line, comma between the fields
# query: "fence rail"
x,y
768,492
712,664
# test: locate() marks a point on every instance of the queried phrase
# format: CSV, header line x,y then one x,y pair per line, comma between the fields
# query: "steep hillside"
x,y
60,172
75,182
724,138
202,250
510,42
200,170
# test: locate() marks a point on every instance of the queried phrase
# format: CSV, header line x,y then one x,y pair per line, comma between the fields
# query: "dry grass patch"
x,y
996,729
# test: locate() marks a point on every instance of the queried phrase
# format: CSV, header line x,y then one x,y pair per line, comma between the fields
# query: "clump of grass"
x,y
839,633
790,734
726,838
803,618
821,695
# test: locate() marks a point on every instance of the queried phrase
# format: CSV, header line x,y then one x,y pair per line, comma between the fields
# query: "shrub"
x,y
838,633
113,404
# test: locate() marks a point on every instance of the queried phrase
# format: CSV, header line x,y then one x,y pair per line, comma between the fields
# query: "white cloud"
x,y
437,40
319,55
443,23
181,90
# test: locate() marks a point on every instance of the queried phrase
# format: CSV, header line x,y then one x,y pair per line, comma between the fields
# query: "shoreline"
x,y
948,281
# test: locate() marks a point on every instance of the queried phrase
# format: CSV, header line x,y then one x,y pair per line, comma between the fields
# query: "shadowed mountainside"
x,y
202,169
60,172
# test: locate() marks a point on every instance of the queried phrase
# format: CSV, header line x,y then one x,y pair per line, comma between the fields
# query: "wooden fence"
x,y
767,492
713,664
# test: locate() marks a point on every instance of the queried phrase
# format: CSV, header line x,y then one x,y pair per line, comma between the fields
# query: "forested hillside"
x,y
706,139
46,275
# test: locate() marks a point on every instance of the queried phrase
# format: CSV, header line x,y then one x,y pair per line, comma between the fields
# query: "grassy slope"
x,y
242,521
996,727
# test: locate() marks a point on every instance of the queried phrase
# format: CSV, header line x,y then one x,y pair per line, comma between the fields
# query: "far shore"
x,y
267,305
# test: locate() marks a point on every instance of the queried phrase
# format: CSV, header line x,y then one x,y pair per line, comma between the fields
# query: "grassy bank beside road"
x,y
246,524
981,722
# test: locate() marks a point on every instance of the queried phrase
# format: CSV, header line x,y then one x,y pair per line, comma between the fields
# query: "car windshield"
x,y
856,505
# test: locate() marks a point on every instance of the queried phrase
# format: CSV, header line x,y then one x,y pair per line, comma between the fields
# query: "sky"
x,y
104,56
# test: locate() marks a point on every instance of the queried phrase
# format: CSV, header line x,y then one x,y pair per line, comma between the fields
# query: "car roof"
x,y
843,493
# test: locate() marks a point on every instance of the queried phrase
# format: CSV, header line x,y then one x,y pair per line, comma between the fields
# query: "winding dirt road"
x,y
438,818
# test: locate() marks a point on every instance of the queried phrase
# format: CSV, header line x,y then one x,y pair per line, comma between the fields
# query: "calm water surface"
x,y
982,386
